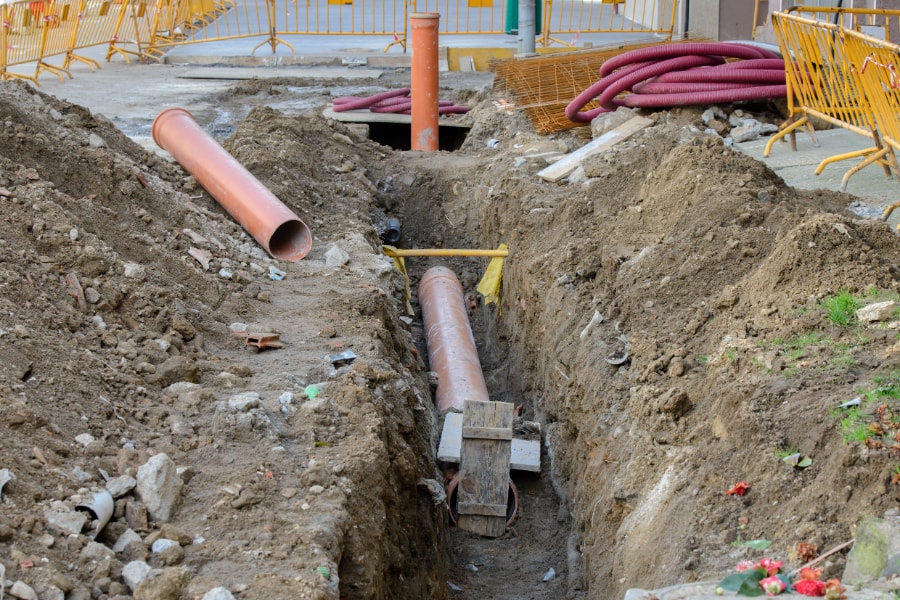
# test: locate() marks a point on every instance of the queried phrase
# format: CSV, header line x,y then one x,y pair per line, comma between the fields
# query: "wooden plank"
x,y
570,162
484,467
485,510
487,433
525,455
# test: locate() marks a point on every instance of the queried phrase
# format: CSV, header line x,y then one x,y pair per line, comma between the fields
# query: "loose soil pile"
x,y
713,359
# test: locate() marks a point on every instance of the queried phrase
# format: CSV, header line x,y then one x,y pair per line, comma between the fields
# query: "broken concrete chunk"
x,y
119,486
159,486
64,521
134,573
218,593
165,584
877,312
22,591
336,257
126,538
244,401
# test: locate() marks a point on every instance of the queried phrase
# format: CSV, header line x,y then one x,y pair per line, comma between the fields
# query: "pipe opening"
x,y
512,501
291,241
397,136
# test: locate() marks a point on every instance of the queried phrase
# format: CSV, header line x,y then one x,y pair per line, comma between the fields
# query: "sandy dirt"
x,y
709,274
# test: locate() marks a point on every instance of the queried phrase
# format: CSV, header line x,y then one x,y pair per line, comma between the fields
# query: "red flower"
x,y
834,590
807,574
772,585
771,567
809,587
738,489
744,565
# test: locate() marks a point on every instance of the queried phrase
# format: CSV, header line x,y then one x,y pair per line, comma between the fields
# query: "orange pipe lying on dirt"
x,y
424,81
277,229
451,346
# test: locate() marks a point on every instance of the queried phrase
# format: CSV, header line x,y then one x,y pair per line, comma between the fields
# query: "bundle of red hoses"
x,y
682,75
393,101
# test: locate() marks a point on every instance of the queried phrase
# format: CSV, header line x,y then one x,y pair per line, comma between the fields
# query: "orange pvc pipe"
x,y
277,229
424,81
451,346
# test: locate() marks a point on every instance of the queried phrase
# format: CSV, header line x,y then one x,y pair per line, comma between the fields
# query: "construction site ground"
x,y
697,261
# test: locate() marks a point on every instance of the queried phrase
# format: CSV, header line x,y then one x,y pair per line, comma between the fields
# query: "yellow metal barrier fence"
x,y
34,30
607,16
883,24
875,63
820,84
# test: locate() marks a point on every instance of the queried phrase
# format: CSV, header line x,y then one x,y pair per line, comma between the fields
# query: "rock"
x,y
165,584
606,122
177,368
52,593
159,486
134,573
84,439
184,327
97,552
136,516
172,555
169,531
876,312
56,578
134,271
875,554
162,543
749,129
64,521
218,593
121,485
336,257
95,141
23,591
244,401
126,538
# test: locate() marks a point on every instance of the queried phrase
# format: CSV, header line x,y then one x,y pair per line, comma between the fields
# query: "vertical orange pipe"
x,y
451,346
424,84
278,230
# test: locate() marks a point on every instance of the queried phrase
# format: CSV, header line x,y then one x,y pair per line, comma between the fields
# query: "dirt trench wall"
x,y
696,258
113,327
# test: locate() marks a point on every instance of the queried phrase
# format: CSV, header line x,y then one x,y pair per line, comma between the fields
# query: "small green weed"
x,y
841,309
703,359
854,426
782,453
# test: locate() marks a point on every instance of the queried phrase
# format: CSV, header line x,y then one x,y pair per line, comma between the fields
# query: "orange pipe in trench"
x,y
424,81
451,346
278,230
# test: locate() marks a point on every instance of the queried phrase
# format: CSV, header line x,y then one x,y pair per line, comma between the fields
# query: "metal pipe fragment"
x,y
277,229
451,345
424,81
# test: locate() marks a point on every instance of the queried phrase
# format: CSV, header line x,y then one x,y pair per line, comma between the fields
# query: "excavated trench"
x,y
536,557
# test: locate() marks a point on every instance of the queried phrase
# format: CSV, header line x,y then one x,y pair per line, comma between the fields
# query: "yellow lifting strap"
x,y
489,286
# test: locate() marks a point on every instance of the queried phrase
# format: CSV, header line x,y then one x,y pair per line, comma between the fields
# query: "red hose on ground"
x,y
393,101
682,75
